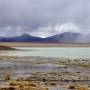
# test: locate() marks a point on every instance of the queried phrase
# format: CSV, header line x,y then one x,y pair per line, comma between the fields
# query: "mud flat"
x,y
30,44
40,73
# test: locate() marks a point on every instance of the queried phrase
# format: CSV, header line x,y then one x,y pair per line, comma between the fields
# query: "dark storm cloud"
x,y
30,15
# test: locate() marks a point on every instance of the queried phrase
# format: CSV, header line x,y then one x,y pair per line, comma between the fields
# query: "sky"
x,y
44,18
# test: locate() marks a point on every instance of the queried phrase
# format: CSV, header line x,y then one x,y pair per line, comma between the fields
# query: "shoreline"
x,y
29,44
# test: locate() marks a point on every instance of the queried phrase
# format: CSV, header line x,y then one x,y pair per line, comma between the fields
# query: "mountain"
x,y
25,38
66,37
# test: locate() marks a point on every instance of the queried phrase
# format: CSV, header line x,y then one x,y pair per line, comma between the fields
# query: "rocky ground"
x,y
36,73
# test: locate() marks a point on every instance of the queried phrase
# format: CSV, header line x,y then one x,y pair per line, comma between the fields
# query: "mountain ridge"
x,y
66,37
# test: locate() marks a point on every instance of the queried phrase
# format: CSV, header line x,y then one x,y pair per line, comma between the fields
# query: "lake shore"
x,y
29,44
5,47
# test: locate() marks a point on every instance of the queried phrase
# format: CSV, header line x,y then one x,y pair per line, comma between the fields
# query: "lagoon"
x,y
53,52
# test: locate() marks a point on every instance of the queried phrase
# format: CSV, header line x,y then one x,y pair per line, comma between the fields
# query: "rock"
x,y
71,87
2,47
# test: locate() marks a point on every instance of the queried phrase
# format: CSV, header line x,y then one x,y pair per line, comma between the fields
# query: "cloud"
x,y
57,29
67,27
38,16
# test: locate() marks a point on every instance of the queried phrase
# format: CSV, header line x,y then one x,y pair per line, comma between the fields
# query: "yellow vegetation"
x,y
82,87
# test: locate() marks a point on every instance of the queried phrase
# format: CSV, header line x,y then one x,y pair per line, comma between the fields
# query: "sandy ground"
x,y
28,44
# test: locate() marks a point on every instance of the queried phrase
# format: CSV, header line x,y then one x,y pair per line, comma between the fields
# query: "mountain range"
x,y
66,37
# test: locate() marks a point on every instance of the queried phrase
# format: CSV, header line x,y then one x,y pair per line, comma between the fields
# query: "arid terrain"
x,y
29,44
36,73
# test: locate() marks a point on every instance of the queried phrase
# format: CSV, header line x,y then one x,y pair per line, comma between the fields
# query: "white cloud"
x,y
56,29
67,27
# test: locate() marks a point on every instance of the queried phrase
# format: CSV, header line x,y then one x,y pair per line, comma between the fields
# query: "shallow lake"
x,y
22,69
69,52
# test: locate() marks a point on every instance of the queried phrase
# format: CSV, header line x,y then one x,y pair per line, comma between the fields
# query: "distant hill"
x,y
66,37
25,38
